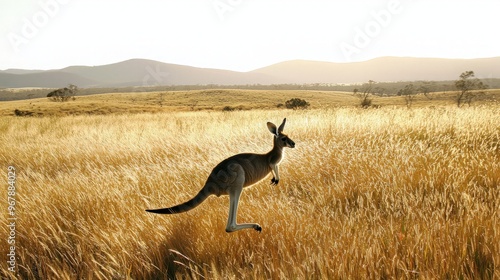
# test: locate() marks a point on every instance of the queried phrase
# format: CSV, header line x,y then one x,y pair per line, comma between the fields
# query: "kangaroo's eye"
x,y
284,139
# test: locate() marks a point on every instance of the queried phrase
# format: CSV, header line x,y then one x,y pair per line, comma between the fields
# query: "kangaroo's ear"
x,y
282,126
272,128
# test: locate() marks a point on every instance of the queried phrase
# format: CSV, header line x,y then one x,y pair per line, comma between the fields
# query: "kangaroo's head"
x,y
280,139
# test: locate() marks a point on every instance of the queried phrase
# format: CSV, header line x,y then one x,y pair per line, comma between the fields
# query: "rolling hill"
x,y
142,72
384,69
134,72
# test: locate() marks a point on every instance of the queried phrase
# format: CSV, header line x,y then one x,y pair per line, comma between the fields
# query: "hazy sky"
x,y
241,34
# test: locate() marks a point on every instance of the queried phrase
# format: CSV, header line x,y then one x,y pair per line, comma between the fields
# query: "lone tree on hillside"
x,y
409,94
63,94
469,87
364,94
426,87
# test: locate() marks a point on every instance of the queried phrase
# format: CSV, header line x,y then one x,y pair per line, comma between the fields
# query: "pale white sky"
x,y
241,35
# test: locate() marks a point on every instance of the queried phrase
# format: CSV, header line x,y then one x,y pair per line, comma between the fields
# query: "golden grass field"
x,y
389,193
157,102
217,100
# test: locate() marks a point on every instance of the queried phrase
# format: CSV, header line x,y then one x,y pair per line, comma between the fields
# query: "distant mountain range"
x,y
142,72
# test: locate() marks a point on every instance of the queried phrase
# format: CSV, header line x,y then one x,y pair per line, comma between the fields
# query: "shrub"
x,y
296,103
21,113
228,109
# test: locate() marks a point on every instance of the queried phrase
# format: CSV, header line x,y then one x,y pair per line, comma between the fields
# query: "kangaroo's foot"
x,y
233,228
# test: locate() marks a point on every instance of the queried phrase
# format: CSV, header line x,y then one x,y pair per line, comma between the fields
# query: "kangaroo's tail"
x,y
186,206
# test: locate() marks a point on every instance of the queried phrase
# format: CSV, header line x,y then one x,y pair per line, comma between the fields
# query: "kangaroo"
x,y
233,174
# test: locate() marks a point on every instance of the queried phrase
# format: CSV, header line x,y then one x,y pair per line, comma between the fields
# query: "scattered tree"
x,y
409,94
63,94
192,104
297,103
468,88
364,94
161,98
425,88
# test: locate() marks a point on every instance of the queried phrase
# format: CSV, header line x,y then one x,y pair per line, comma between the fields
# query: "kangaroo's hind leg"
x,y
234,198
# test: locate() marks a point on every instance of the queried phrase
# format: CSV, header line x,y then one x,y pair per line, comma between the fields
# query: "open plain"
x,y
387,193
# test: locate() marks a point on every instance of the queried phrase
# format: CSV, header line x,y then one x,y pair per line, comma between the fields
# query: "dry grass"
x,y
157,102
217,100
386,193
